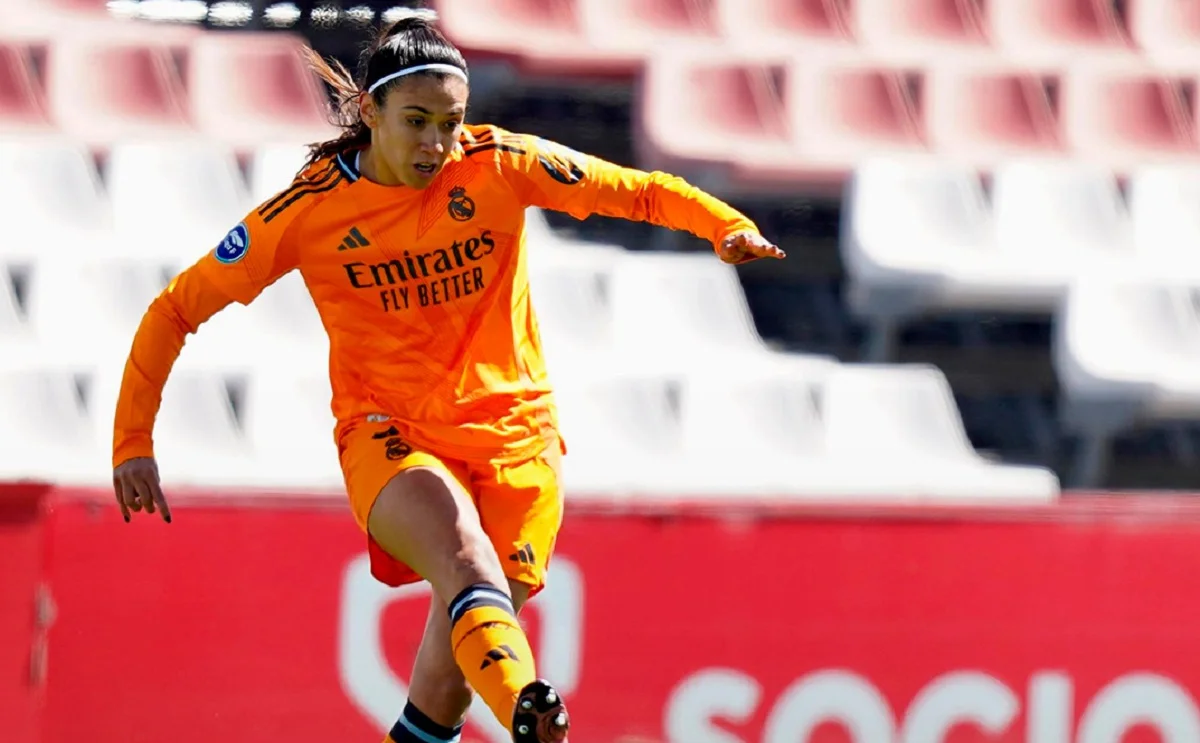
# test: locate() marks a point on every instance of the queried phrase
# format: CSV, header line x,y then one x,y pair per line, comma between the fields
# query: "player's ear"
x,y
368,110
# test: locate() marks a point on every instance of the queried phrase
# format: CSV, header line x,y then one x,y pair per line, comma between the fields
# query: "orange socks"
x,y
491,648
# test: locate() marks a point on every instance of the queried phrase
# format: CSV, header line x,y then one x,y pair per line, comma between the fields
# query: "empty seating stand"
x,y
1125,350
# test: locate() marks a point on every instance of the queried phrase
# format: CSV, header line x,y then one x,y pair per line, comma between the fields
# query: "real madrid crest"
x,y
461,207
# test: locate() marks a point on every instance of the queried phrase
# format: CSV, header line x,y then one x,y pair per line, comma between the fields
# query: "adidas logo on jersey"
x,y
354,240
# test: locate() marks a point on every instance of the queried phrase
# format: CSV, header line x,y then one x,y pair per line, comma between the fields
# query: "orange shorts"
x,y
519,504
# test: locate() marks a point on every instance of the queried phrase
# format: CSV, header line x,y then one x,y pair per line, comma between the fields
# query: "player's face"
x,y
417,127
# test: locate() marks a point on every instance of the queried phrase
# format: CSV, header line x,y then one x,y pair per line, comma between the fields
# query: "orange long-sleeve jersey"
x,y
423,293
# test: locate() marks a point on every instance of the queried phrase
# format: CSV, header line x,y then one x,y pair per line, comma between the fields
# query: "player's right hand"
x,y
137,487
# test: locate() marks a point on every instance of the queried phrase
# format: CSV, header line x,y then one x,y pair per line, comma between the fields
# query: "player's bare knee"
x,y
474,562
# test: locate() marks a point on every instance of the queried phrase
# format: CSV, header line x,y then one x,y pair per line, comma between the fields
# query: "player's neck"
x,y
371,167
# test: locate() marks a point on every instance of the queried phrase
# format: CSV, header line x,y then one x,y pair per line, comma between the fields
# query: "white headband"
x,y
447,68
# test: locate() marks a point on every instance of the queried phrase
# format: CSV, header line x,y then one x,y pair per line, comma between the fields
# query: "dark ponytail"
x,y
410,41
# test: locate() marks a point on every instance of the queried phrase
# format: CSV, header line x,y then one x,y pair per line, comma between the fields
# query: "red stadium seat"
x,y
248,88
101,90
1128,114
784,23
1055,29
917,28
22,106
539,36
842,108
52,8
1166,30
984,110
642,27
697,111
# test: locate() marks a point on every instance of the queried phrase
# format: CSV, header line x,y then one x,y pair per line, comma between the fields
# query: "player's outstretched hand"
x,y
137,487
746,246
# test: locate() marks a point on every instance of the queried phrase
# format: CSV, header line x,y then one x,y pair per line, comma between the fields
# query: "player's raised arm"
x,y
253,255
552,176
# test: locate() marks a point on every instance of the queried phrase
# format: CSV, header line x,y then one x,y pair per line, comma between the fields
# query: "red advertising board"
x,y
1071,624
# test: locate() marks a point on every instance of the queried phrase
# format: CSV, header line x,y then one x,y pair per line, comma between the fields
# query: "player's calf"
x,y
541,716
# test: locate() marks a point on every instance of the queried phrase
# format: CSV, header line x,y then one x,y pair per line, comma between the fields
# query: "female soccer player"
x,y
409,233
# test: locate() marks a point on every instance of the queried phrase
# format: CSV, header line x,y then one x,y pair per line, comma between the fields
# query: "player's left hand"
x,y
746,246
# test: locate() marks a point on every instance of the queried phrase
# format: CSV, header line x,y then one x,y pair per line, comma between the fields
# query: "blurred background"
x,y
952,437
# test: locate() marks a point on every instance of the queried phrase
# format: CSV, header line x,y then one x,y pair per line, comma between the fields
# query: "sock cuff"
x,y
476,596
415,725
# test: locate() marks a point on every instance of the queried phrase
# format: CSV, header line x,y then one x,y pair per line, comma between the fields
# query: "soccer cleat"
x,y
541,716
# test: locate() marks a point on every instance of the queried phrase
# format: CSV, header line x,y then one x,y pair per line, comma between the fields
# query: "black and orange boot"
x,y
541,716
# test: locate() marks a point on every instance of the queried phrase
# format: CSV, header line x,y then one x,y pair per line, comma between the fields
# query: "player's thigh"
x,y
521,509
417,508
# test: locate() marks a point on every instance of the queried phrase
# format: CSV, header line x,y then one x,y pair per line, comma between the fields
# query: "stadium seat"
x,y
902,422
174,199
640,28
572,299
632,419
250,88
782,25
289,429
273,167
1164,205
1061,218
1056,30
22,103
982,110
280,327
1124,114
198,440
17,341
84,310
672,311
51,200
759,431
1166,31
1125,350
723,99
103,89
917,235
554,246
46,429
843,107
540,36
917,30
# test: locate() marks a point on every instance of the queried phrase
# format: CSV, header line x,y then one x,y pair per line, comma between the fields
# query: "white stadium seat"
x,y
757,431
289,429
174,199
51,200
84,312
1062,218
916,235
671,311
45,429
1164,204
903,424
197,437
1127,350
623,436
281,327
571,299
273,168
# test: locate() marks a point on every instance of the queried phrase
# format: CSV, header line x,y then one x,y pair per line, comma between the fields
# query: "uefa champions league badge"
x,y
235,245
